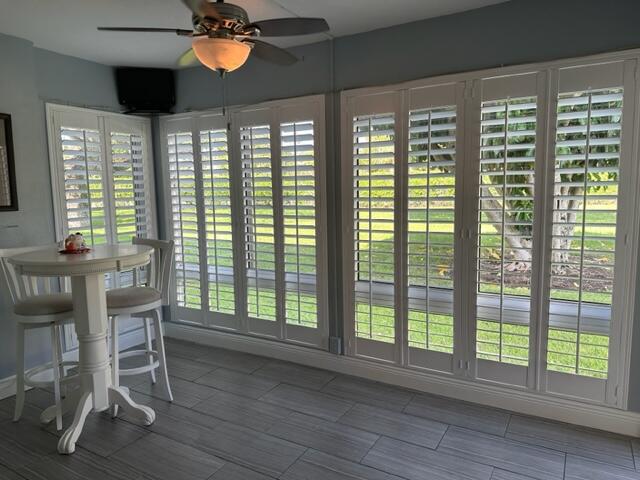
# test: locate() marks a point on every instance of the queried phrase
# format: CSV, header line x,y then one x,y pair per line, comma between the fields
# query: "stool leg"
x,y
149,347
63,370
162,360
115,360
55,364
19,372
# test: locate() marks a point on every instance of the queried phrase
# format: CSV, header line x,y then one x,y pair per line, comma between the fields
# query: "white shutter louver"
x,y
585,203
83,183
299,215
130,203
259,227
216,189
430,223
505,229
184,218
374,223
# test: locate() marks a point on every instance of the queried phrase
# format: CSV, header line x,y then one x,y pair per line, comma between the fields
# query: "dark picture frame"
x,y
8,200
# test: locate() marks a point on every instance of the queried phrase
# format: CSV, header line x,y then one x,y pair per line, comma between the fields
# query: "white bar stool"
x,y
36,305
143,300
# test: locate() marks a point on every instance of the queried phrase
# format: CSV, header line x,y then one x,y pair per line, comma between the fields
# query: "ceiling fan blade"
x,y
271,53
202,8
187,58
177,31
284,27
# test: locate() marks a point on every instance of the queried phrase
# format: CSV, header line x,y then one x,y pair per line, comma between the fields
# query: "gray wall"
x,y
29,77
519,31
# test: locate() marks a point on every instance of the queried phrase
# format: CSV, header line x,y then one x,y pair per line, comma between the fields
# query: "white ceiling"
x,y
69,26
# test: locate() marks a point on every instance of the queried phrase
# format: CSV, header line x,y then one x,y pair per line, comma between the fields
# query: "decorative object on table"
x,y
75,243
8,192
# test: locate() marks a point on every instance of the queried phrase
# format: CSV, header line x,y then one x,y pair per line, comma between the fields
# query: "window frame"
x,y
103,122
628,227
272,113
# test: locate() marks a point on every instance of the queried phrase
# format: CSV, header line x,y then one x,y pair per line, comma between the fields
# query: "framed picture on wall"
x,y
8,193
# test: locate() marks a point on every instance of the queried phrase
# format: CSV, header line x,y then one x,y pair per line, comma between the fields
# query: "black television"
x,y
146,90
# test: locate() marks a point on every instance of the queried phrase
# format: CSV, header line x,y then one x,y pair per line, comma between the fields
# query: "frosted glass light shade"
x,y
221,53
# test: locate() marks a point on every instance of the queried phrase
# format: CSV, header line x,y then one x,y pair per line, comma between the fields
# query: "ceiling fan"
x,y
223,37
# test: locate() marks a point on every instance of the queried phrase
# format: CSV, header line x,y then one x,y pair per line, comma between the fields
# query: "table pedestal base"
x,y
117,396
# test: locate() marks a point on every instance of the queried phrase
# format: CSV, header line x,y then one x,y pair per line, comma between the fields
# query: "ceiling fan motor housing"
x,y
234,19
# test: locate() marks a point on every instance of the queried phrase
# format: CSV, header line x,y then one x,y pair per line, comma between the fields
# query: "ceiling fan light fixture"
x,y
221,54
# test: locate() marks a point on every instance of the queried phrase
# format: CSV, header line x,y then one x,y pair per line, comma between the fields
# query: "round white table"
x,y
87,271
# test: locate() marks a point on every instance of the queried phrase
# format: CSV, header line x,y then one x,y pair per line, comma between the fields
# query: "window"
x,y
431,227
491,224
184,218
299,212
247,203
374,225
505,229
259,242
216,189
101,175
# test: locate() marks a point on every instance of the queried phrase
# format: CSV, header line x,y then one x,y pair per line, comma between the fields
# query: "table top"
x,y
101,259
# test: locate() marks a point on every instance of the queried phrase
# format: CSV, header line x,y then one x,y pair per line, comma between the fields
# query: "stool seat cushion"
x,y
49,304
131,297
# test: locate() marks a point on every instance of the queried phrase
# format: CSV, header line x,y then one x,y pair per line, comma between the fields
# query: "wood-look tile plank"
x,y
368,392
462,414
14,454
81,465
408,428
243,411
294,374
29,435
8,474
418,463
308,401
580,468
328,437
231,471
162,458
499,474
252,449
176,422
600,446
181,348
537,462
185,393
233,360
237,382
314,465
187,369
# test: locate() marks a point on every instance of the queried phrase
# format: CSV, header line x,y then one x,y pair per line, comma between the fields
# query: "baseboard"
x,y
127,340
529,403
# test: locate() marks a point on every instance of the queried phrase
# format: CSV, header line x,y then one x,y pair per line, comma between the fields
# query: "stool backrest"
x,y
159,273
23,286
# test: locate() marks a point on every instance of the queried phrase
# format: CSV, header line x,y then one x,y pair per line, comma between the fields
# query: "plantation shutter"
x,y
586,250
281,172
82,176
506,244
130,195
431,190
184,218
303,227
373,148
259,222
216,193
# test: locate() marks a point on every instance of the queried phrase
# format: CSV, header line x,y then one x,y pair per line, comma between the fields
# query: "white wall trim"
x,y
530,403
127,339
